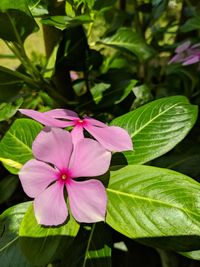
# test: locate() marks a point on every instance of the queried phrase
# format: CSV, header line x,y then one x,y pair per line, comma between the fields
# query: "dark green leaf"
x,y
158,207
7,187
191,24
10,252
16,20
157,127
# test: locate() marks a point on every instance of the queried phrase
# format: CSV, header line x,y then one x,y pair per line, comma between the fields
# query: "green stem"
x,y
168,259
88,244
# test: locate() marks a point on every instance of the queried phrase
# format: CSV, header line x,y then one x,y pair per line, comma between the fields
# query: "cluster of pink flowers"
x,y
186,54
62,158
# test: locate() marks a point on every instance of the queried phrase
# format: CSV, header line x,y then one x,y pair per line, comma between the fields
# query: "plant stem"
x,y
168,259
88,244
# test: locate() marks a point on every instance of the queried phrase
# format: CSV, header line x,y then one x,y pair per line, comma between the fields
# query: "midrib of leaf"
x,y
133,196
20,142
9,244
151,120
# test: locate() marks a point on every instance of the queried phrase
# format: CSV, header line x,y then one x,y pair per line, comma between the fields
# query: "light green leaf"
x,y
158,207
63,22
97,91
7,110
40,243
157,127
10,252
15,146
195,255
128,40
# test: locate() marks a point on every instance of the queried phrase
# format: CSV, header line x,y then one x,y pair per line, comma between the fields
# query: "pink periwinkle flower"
x,y
57,165
112,138
186,54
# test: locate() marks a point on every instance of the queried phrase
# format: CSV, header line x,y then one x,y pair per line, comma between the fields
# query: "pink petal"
x,y
45,118
35,176
191,60
77,134
89,158
87,200
111,137
176,59
94,122
53,145
184,46
61,113
50,207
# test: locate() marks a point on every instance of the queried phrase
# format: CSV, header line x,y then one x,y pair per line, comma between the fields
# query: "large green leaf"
x,y
128,40
10,252
15,147
157,127
40,243
17,20
158,207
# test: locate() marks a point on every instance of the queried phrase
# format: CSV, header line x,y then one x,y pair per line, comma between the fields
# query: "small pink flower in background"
x,y
57,165
111,137
186,54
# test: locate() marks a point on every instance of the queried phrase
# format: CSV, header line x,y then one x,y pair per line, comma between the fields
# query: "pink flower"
x,y
111,137
57,165
186,54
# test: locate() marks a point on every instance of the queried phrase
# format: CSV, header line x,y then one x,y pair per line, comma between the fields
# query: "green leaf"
x,y
157,127
15,147
195,255
97,91
155,206
16,20
40,243
7,187
63,22
7,110
191,24
10,252
128,40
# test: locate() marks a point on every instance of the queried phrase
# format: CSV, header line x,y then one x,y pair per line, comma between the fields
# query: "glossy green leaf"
x,y
128,40
7,110
157,127
40,243
7,187
15,146
16,20
195,255
158,207
10,252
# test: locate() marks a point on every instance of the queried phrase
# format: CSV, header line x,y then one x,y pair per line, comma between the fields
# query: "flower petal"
x,y
94,122
191,60
45,118
184,46
35,176
50,207
88,159
61,113
87,200
77,134
111,137
53,145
